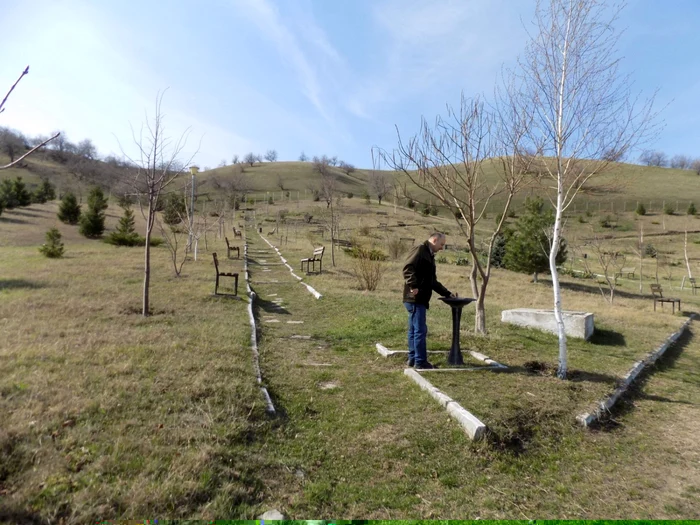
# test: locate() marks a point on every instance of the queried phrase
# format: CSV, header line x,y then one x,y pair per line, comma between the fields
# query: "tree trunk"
x,y
562,369
534,278
147,263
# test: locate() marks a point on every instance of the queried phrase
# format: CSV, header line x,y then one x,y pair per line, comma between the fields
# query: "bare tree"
x,y
584,110
235,186
346,167
681,162
379,184
280,182
303,157
271,155
250,158
446,161
38,146
157,167
12,143
611,263
653,158
86,149
695,166
235,160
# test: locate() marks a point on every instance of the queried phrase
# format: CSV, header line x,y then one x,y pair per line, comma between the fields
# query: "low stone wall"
x,y
576,324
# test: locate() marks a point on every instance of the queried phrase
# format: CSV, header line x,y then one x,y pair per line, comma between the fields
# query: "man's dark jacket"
x,y
420,272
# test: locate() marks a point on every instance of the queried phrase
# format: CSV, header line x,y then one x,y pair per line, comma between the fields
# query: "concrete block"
x,y
576,324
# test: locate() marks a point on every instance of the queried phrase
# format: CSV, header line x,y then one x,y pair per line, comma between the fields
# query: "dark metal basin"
x,y
457,301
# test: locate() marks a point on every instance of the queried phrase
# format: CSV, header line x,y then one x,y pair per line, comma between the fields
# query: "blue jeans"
x,y
417,333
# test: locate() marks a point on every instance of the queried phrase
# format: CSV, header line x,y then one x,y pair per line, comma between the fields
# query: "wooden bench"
x,y
230,248
344,243
222,274
658,294
237,233
693,285
382,226
412,240
316,257
628,272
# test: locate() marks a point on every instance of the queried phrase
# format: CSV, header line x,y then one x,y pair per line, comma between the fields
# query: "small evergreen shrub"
x,y
668,209
174,209
349,195
92,221
650,251
69,209
125,234
641,210
433,210
691,209
44,193
53,247
426,210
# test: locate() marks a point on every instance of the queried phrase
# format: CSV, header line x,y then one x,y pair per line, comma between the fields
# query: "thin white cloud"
x,y
268,19
428,44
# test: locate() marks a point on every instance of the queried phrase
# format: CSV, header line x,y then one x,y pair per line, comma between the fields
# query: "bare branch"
x,y
29,152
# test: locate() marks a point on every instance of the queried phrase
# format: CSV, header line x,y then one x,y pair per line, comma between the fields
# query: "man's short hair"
x,y
437,235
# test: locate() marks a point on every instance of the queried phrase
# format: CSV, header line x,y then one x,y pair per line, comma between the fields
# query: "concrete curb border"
x,y
384,351
605,405
254,334
474,428
311,289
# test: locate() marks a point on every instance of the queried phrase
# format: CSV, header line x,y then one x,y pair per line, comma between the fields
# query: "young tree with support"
x,y
156,168
584,111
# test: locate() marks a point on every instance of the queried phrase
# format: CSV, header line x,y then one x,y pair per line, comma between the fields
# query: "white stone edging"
x,y
474,428
309,288
606,405
254,336
384,351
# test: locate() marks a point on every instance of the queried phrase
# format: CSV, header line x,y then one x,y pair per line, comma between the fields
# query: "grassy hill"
x,y
617,190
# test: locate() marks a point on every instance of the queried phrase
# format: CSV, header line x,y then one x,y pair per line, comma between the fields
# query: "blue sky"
x,y
321,76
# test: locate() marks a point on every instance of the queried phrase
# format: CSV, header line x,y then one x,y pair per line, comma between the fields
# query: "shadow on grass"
x,y
607,338
592,289
626,404
541,368
23,213
15,284
13,515
9,220
270,307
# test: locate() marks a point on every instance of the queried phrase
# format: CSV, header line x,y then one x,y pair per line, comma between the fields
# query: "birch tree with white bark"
x,y
585,112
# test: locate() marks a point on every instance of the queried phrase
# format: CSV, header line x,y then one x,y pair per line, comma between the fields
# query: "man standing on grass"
x,y
420,279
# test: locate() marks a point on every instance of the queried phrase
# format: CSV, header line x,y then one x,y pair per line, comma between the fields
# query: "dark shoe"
x,y
411,362
425,366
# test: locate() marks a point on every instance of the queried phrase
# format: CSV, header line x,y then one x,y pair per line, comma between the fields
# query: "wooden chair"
x,y
316,257
230,248
237,233
693,285
658,294
222,274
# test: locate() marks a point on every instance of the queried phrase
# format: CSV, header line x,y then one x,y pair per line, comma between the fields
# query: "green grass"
x,y
110,415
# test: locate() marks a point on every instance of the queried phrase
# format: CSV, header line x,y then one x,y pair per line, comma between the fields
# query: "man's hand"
x,y
454,295
414,291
